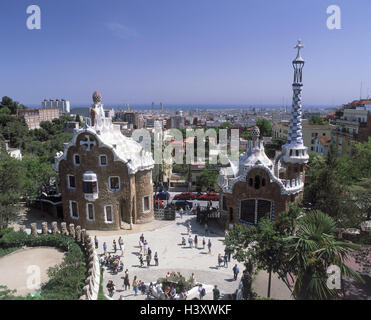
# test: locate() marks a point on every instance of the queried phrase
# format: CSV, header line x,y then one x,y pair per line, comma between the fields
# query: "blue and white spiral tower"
x,y
294,151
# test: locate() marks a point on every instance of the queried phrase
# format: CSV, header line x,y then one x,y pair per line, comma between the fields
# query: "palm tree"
x,y
312,250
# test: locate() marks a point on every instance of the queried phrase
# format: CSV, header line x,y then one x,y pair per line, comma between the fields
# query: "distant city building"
x,y
13,152
33,117
130,117
177,121
256,187
321,145
63,105
310,132
71,126
105,177
352,123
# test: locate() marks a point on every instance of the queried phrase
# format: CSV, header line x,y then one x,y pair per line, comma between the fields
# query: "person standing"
x,y
140,246
114,245
216,293
126,280
225,258
209,246
149,253
135,285
201,291
196,241
96,242
181,213
145,247
105,248
121,242
235,272
141,260
156,259
148,258
220,260
190,241
203,243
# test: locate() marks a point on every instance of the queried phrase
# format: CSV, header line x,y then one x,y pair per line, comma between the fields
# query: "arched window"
x,y
250,182
257,182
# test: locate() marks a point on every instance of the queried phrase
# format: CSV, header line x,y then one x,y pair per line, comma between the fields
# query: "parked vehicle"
x,y
209,196
185,196
183,204
159,204
162,196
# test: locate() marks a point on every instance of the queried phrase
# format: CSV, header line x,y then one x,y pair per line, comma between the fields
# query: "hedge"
x,y
66,280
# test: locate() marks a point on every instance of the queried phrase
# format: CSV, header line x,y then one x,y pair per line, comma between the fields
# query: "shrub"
x,y
65,281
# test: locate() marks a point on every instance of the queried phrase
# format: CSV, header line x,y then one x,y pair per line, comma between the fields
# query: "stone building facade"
x,y
105,177
257,187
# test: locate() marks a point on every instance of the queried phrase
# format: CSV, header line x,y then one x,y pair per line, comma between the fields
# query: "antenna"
x,y
360,93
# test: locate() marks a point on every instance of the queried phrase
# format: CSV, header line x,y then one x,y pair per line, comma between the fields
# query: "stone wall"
x,y
242,190
81,236
126,202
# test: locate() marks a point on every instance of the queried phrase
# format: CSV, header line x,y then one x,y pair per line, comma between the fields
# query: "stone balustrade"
x,y
81,236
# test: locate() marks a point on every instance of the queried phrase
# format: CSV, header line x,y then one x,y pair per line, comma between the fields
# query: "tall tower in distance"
x,y
153,106
294,153
161,106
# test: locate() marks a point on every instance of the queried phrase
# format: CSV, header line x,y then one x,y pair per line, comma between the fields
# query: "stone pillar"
x,y
72,230
44,227
78,234
64,228
83,236
34,229
55,227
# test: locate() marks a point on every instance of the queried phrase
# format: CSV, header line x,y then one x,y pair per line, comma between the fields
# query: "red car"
x,y
209,196
159,204
185,196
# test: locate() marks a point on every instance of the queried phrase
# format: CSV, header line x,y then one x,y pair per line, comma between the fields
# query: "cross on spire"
x,y
88,143
299,46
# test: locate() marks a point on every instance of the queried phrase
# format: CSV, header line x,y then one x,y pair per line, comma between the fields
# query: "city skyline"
x,y
209,53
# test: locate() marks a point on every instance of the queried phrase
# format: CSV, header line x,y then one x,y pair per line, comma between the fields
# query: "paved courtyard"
x,y
166,240
17,267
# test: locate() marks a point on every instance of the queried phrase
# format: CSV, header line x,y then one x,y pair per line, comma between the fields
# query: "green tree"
x,y
38,175
317,120
312,250
208,179
11,186
265,127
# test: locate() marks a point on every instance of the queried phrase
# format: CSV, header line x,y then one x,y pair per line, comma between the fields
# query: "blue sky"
x,y
183,52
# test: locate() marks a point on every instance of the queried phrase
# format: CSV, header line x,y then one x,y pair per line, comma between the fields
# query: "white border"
x,y
109,184
74,160
100,163
149,202
105,213
68,182
77,206
87,211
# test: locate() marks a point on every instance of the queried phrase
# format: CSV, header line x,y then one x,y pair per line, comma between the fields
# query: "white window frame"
x,y
77,207
149,204
100,162
87,211
68,182
109,184
105,213
74,160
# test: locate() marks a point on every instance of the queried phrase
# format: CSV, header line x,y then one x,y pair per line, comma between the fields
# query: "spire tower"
x,y
294,150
